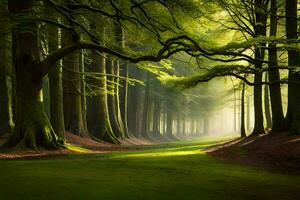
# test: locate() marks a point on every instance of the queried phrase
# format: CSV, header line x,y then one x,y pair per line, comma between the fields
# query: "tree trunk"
x,y
278,121
260,30
113,102
72,94
293,113
5,95
243,131
55,81
32,128
97,108
267,104
206,126
134,103
156,117
183,126
145,119
169,132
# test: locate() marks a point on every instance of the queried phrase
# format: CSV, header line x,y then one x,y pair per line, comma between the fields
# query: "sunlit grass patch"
x,y
78,149
160,154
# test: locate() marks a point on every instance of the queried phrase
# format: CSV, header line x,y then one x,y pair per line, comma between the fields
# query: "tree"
x,y
32,126
97,108
55,78
293,115
278,121
5,95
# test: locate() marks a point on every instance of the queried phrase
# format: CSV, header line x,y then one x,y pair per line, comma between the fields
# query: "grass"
x,y
175,171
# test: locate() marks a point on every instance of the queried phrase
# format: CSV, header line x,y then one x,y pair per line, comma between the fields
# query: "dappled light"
x,y
149,99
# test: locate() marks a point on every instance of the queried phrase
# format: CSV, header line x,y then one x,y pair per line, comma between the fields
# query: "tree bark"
x,y
144,131
72,94
267,104
278,121
33,128
293,113
260,30
98,121
55,81
5,95
169,124
243,131
156,117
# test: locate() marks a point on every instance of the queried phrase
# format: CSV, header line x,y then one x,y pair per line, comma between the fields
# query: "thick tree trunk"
x,y
72,102
121,85
55,81
5,105
260,30
32,128
113,102
278,121
293,114
97,108
134,103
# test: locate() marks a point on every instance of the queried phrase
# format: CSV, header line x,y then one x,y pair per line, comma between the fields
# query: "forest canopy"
x,y
109,70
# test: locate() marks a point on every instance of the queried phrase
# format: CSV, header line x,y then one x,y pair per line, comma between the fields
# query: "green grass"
x,y
175,171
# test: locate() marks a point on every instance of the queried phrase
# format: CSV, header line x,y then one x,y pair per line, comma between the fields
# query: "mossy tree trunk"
x,y
278,121
5,105
32,128
121,84
267,103
293,114
133,103
72,93
55,80
97,108
260,30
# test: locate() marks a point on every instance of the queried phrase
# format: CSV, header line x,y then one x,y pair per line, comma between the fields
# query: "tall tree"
x,y
55,78
72,94
260,29
278,121
267,103
97,108
293,113
5,112
32,128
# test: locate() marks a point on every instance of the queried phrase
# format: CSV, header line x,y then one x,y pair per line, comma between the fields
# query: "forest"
x,y
149,99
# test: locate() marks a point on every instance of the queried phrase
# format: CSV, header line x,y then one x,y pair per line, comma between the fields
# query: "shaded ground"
x,y
76,145
275,152
179,170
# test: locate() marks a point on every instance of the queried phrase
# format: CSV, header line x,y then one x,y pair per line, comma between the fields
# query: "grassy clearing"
x,y
175,171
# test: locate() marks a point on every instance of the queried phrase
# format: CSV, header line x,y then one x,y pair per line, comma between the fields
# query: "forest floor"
x,y
175,170
279,152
